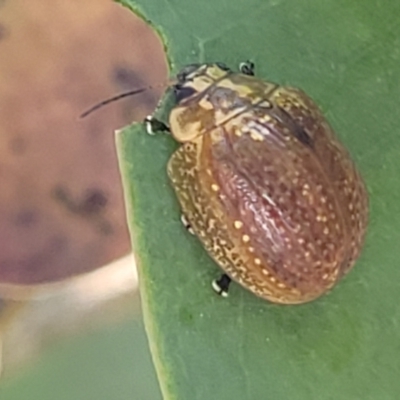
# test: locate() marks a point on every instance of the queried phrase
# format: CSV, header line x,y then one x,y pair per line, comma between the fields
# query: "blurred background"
x,y
70,323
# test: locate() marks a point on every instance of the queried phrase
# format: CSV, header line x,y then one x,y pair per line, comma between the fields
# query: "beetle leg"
x,y
247,68
186,224
154,125
221,285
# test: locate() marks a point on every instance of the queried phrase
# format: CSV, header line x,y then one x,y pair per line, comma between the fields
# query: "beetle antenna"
x,y
118,97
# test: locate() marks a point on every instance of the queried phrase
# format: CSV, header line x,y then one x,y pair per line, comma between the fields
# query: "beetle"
x,y
264,183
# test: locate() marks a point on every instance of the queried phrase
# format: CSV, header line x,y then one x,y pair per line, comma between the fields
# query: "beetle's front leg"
x,y
221,285
247,68
154,125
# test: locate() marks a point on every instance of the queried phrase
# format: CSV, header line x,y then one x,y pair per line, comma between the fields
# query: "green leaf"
x,y
346,55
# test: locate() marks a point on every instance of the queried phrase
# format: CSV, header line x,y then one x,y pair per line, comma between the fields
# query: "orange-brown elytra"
x,y
264,183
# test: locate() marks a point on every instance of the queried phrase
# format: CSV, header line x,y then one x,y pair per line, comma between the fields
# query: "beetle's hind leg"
x,y
247,68
154,125
221,285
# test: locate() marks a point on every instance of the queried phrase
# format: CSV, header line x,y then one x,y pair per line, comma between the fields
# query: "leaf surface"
x,y
345,55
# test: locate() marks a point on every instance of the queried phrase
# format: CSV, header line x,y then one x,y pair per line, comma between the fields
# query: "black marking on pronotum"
x,y
183,92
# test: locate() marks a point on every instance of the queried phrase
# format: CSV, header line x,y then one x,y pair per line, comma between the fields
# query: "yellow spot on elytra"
x,y
251,249
246,238
326,230
266,118
257,261
238,132
205,104
281,285
215,187
266,104
238,224
256,136
265,272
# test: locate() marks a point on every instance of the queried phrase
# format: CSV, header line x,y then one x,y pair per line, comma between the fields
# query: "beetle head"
x,y
196,78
